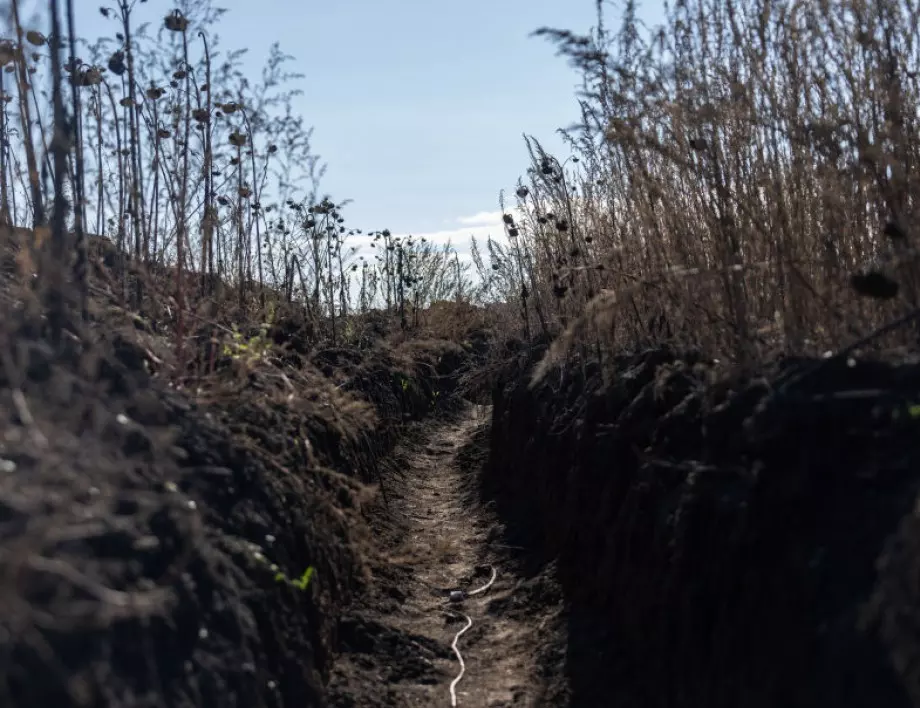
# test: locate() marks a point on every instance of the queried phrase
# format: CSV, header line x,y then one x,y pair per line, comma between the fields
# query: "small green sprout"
x,y
255,348
301,583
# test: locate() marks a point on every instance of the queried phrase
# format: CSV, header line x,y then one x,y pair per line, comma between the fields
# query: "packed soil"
x,y
179,540
721,538
433,537
330,526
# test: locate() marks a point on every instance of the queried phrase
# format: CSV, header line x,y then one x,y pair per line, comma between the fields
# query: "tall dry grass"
x,y
200,178
743,181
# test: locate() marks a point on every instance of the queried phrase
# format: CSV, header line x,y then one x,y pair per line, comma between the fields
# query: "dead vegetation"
x,y
742,182
709,421
199,373
198,377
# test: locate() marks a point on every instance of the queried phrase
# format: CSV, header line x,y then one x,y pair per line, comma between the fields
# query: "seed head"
x,y
117,63
91,76
7,52
175,21
36,38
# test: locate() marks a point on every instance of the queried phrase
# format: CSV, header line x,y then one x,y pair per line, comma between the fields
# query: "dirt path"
x,y
433,538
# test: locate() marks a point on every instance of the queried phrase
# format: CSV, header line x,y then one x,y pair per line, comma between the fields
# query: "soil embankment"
x,y
657,533
159,547
717,538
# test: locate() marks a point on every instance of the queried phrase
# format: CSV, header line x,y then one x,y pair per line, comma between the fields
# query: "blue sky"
x,y
418,105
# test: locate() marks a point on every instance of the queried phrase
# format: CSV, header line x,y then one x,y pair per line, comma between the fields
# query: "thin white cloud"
x,y
481,226
481,218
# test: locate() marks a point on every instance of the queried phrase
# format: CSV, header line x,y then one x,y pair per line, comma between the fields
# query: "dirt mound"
x,y
716,535
162,549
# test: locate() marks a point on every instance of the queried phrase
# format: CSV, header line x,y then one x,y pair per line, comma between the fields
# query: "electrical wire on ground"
x,y
459,596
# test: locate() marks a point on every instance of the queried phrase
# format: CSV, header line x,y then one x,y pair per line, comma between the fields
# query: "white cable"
x,y
459,596
487,585
453,684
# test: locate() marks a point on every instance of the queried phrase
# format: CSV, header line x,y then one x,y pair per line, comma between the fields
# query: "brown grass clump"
x,y
742,182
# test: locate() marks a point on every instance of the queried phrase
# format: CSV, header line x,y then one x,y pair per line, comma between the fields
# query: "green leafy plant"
x,y
301,583
251,350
